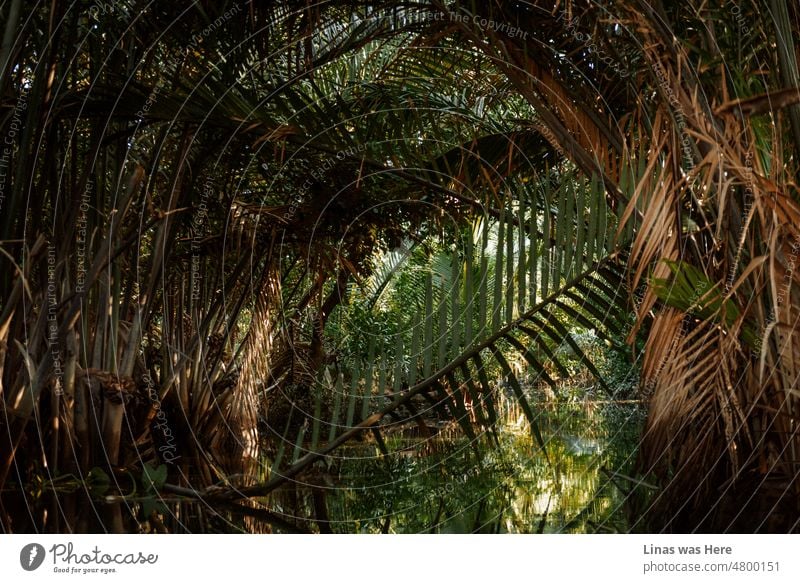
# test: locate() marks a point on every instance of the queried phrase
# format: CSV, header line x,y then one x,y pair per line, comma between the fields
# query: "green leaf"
x,y
691,290
97,481
499,263
153,478
150,505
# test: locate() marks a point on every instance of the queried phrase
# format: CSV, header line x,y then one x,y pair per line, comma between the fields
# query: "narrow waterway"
x,y
448,484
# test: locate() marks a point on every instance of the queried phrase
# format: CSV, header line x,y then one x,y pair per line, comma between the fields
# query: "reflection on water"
x,y
445,484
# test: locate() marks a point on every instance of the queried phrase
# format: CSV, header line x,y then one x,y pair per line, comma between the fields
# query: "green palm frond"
x,y
476,313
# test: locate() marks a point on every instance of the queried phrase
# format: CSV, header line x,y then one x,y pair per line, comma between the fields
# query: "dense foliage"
x,y
220,213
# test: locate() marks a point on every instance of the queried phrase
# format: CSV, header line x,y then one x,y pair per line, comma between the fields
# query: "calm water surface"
x,y
444,484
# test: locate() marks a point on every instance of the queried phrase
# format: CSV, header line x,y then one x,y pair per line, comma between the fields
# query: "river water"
x,y
499,483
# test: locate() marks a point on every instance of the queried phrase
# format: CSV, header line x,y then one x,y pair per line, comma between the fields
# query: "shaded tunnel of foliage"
x,y
233,225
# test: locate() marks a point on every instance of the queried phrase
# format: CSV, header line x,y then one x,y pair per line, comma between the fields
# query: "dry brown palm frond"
x,y
769,102
657,239
723,400
695,412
